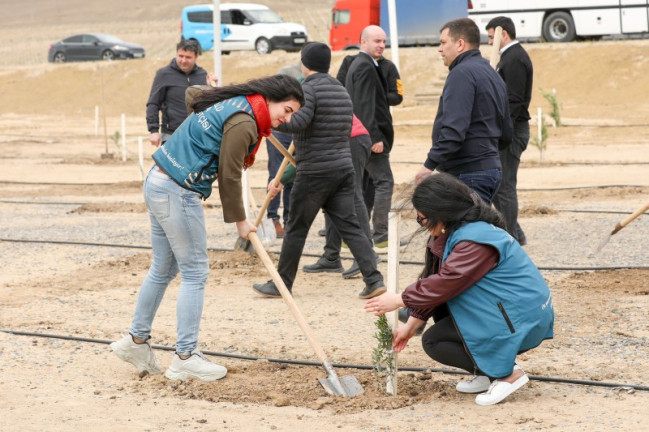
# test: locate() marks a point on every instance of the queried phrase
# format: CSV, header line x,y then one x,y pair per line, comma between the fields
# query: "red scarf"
x,y
262,117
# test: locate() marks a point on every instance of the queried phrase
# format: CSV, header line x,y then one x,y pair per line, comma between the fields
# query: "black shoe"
x,y
323,265
322,232
404,314
354,270
521,239
372,290
267,289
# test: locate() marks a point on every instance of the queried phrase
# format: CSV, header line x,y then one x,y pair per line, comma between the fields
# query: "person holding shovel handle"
x,y
487,298
325,174
218,140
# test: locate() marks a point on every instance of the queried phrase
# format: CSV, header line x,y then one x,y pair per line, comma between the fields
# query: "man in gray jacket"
x,y
325,173
168,91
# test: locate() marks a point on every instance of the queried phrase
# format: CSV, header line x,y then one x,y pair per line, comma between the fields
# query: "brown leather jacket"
x,y
467,263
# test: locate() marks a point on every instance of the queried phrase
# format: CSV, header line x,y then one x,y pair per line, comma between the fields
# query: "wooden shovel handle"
x,y
276,180
628,220
281,148
286,295
495,52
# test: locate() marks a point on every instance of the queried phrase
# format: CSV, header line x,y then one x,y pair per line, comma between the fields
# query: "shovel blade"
x,y
266,232
244,245
347,386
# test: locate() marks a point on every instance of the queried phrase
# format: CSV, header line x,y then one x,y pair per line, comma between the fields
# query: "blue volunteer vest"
x,y
191,155
507,311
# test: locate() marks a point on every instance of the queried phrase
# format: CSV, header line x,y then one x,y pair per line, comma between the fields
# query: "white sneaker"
x,y
139,355
477,384
499,390
196,366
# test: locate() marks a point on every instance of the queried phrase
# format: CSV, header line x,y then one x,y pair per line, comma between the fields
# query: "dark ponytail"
x,y
276,88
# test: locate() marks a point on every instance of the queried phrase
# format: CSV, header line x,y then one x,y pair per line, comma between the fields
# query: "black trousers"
x,y
361,147
443,344
380,174
335,195
506,199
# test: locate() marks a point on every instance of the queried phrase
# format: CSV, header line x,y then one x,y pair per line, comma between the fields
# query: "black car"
x,y
93,46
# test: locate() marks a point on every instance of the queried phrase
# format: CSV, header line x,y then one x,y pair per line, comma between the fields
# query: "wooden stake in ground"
x,y
105,155
394,218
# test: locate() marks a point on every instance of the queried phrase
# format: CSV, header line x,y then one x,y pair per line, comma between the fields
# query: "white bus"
x,y
565,20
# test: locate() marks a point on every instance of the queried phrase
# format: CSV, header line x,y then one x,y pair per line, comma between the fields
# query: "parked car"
x,y
244,26
93,46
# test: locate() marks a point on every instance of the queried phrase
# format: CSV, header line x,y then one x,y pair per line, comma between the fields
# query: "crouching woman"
x,y
487,298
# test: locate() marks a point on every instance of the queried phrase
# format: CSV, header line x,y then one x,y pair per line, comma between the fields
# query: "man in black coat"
x,y
368,88
515,67
395,97
168,91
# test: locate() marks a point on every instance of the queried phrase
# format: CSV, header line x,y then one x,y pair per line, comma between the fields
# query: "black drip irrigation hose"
x,y
219,206
579,187
313,255
552,164
337,365
264,188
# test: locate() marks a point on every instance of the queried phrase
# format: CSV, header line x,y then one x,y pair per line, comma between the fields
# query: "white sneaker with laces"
x,y
477,384
139,355
196,366
499,390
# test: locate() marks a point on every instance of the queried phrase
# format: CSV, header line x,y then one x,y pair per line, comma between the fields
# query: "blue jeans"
x,y
275,159
179,242
485,183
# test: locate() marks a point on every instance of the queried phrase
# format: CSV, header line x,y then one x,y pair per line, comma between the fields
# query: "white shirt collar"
x,y
375,62
506,47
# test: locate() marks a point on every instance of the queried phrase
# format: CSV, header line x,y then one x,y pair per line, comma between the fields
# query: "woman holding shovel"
x,y
218,140
487,297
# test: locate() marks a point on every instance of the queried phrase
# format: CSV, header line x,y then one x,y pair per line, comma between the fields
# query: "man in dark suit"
x,y
395,97
515,67
368,88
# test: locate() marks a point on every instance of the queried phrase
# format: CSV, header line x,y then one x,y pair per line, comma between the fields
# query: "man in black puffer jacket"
x,y
168,92
325,174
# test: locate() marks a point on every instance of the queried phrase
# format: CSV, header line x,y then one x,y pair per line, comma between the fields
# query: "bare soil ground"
x,y
74,244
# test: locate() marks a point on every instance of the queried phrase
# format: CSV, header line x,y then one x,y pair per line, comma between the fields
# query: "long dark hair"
x,y
276,88
442,197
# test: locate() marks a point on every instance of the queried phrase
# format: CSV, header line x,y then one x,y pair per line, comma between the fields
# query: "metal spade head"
x,y
347,386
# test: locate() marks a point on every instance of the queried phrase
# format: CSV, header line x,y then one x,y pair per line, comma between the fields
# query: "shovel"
x,y
622,224
349,385
243,244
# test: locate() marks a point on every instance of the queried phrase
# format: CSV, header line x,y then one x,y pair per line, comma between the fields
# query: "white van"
x,y
244,26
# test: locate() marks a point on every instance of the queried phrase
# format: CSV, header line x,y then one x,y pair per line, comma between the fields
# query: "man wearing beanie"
x,y
325,174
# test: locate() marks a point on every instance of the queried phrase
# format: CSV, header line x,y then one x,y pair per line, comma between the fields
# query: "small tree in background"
x,y
555,113
115,137
540,142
